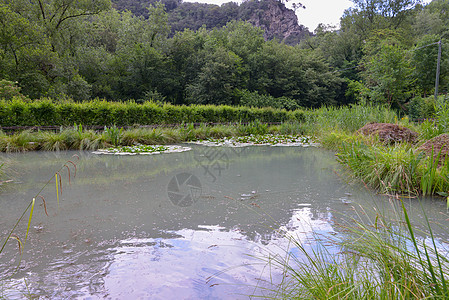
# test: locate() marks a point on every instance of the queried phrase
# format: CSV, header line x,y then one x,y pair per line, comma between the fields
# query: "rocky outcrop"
x,y
278,22
272,16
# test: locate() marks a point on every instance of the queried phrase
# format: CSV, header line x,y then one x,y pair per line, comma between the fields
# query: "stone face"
x,y
279,22
272,16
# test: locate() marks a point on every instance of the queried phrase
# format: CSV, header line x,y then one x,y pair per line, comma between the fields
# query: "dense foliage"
x,y
385,52
387,49
90,50
46,113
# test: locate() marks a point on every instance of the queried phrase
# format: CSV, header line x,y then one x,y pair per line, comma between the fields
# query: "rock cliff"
x,y
278,22
272,16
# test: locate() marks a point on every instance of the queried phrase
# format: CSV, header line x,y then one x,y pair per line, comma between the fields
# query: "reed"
x,y
28,212
375,256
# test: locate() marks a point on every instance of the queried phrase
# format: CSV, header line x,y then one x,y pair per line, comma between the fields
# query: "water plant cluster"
x,y
141,149
78,138
265,139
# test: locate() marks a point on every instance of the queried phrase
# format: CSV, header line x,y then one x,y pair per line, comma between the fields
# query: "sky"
x,y
316,12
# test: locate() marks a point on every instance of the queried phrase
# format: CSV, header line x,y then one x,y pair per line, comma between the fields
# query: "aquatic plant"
x,y
266,139
290,128
138,149
187,132
113,135
22,141
252,128
12,235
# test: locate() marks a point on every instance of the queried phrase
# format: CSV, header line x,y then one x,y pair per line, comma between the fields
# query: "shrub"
x,y
254,99
45,112
421,108
9,90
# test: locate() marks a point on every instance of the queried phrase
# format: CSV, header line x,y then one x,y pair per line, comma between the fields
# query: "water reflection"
x,y
118,234
211,262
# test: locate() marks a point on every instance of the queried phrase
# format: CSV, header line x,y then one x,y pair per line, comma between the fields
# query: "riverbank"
x,y
313,123
401,167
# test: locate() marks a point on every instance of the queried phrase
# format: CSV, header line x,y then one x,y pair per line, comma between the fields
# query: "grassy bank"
x,y
308,122
76,138
389,168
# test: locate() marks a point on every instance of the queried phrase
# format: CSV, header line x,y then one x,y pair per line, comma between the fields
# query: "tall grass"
x,y
395,169
376,256
348,118
78,139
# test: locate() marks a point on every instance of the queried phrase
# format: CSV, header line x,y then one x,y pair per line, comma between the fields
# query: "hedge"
x,y
45,112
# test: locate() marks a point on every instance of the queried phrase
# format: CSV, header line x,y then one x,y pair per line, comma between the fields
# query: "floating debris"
x,y
142,149
251,196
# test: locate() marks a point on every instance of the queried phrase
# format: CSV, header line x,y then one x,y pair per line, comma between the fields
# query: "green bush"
x,y
254,99
9,90
45,112
421,108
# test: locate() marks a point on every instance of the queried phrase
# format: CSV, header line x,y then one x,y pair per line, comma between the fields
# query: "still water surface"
x,y
189,225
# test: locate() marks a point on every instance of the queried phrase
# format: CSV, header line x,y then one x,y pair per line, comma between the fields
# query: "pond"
x,y
189,225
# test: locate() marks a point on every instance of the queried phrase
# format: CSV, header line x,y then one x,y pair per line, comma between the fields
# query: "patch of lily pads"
x,y
142,149
260,140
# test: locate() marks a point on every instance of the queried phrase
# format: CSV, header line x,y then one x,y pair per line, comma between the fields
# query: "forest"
x,y
385,52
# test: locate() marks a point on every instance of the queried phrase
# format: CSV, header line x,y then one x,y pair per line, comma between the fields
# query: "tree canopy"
x,y
87,49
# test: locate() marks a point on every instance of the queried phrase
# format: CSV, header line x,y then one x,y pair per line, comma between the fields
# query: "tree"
x,y
387,70
369,15
433,19
395,11
424,59
40,38
187,56
285,71
217,80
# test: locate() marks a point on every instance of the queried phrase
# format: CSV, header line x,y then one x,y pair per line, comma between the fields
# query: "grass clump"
x,y
389,169
377,256
348,119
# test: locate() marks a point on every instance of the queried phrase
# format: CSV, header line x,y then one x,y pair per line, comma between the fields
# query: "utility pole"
x,y
437,80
